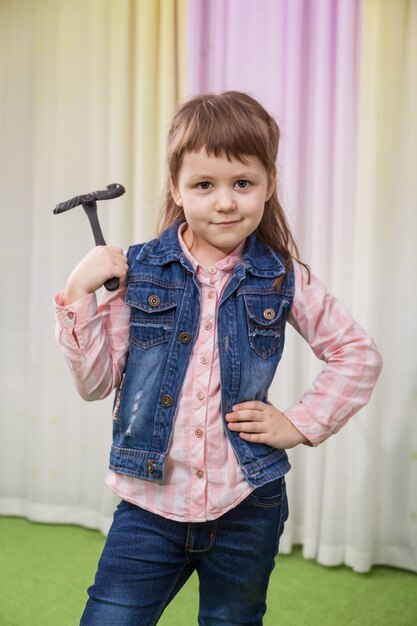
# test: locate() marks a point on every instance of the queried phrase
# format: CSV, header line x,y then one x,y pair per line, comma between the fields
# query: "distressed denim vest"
x,y
163,294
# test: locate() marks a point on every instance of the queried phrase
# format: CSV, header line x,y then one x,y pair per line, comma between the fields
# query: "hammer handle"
x,y
91,209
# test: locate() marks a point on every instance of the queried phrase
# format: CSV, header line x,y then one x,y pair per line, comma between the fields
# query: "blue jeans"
x,y
148,558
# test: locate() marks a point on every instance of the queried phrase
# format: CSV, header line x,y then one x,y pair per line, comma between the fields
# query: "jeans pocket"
x,y
269,495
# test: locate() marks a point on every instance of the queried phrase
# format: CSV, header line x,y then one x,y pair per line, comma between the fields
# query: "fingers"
x,y
246,421
256,405
254,437
247,427
110,261
261,422
99,265
244,415
251,422
120,265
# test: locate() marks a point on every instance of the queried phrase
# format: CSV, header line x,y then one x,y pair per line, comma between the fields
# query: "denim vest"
x,y
164,296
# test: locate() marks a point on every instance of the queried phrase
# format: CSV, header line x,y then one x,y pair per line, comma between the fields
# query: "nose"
x,y
225,201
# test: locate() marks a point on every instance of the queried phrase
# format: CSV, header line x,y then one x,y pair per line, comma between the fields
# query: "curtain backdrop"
x,y
87,90
340,79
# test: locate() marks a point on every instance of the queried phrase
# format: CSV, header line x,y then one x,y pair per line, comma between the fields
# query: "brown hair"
x,y
236,125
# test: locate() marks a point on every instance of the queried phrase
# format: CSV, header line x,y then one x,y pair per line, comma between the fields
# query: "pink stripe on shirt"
x,y
202,477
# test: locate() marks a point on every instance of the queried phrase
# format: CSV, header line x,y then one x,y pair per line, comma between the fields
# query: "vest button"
x,y
184,337
154,300
269,314
167,400
150,467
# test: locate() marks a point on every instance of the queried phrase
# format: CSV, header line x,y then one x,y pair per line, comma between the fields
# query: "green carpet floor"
x,y
46,569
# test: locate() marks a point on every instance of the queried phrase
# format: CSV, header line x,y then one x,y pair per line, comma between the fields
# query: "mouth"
x,y
227,223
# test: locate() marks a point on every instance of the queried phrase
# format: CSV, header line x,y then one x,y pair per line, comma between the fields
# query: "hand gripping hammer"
x,y
89,203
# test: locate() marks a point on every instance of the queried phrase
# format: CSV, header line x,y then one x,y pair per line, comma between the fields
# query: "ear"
x,y
271,185
175,192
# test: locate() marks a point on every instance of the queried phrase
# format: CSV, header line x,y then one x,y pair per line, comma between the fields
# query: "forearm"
x,y
342,388
93,341
352,362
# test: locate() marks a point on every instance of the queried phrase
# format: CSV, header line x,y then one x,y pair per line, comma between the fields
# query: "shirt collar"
x,y
226,264
258,258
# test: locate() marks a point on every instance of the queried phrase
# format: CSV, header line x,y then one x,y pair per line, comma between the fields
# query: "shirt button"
x,y
150,467
213,270
200,395
199,433
70,315
200,474
208,325
204,360
210,294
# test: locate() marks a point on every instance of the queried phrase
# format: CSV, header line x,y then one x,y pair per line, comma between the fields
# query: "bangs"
x,y
223,125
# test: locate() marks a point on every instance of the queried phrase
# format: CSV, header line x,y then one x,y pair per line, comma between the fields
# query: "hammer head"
x,y
112,191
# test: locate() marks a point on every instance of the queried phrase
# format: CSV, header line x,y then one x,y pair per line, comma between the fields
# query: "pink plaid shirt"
x,y
202,477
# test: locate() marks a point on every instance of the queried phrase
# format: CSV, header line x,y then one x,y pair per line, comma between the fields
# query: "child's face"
x,y
223,201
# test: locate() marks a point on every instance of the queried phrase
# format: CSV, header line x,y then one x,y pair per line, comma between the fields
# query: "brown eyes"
x,y
205,185
242,184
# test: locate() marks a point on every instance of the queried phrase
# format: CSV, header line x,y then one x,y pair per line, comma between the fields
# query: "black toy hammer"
x,y
89,203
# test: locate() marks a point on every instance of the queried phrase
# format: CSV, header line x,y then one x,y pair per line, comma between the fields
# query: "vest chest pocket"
x,y
152,313
266,316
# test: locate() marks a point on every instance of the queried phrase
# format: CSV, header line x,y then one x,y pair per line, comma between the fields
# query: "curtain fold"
x,y
385,261
340,79
88,89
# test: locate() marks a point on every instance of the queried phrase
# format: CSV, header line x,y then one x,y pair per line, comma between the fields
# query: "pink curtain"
x,y
300,59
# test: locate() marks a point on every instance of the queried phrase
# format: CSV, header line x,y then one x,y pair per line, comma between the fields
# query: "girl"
x,y
191,341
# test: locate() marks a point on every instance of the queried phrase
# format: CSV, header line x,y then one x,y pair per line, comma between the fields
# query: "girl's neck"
x,y
206,254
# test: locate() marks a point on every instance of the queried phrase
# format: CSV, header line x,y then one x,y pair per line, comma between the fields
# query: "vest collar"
x,y
258,258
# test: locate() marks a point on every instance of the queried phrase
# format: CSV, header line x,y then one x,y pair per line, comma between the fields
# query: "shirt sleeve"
x,y
94,340
352,360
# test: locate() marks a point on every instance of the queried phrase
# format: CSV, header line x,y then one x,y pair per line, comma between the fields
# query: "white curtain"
x,y
88,88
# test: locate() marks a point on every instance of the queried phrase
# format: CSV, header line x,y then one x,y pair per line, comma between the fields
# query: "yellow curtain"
x,y
387,135
158,39
108,76
88,88
385,264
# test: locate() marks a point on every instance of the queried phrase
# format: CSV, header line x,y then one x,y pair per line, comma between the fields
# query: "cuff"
x,y
315,432
76,313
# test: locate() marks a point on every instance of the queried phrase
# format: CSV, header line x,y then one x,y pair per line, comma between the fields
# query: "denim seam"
x,y
265,505
163,604
154,280
281,521
211,544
